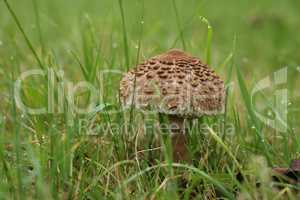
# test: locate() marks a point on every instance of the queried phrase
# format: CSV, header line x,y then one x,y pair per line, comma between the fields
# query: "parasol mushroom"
x,y
178,85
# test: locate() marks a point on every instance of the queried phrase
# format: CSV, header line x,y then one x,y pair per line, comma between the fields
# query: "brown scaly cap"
x,y
174,83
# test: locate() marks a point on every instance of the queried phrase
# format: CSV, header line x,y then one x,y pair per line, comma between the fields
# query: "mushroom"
x,y
178,85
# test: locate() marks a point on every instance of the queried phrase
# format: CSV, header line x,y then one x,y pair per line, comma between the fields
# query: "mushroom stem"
x,y
178,138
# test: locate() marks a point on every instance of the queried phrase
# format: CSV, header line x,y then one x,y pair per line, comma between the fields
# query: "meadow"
x,y
58,56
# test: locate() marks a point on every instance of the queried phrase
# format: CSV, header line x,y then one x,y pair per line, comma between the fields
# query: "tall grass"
x,y
29,44
125,39
52,156
177,17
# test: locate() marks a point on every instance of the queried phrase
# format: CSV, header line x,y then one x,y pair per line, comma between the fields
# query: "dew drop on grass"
x,y
298,67
284,102
22,116
114,45
1,43
253,127
270,114
245,60
60,74
142,22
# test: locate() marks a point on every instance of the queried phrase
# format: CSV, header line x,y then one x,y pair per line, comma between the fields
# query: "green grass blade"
x,y
247,101
38,24
197,171
225,147
17,144
125,38
83,69
141,32
5,164
208,39
29,44
179,24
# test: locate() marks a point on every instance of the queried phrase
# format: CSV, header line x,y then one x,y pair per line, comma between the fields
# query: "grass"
x,y
56,156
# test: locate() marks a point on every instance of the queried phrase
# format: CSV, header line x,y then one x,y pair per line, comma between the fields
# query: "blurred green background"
x,y
267,32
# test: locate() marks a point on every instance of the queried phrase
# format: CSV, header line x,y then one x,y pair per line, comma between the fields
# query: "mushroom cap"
x,y
174,83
